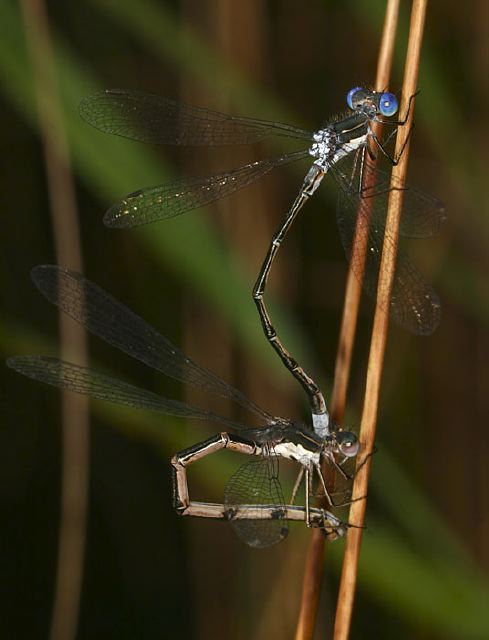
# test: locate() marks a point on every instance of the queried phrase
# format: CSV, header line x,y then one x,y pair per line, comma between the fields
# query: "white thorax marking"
x,y
297,452
328,151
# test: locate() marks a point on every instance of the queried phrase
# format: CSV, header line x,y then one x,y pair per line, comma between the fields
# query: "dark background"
x,y
423,571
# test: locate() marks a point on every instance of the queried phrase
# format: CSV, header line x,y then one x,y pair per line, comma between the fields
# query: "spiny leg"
x,y
327,494
381,145
297,484
351,476
307,496
367,456
316,399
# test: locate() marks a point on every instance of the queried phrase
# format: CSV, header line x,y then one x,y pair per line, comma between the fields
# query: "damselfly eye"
x,y
348,444
349,96
388,104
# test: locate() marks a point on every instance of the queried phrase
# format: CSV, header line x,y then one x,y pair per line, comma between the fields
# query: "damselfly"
x,y
253,500
347,148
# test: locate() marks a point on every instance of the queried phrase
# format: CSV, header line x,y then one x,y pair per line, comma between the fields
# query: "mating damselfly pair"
x,y
347,148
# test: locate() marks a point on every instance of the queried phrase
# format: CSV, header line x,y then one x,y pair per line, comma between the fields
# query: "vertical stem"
x,y
74,482
379,333
313,571
359,249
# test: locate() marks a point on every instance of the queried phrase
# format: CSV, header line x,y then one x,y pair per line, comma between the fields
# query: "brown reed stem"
x,y
379,332
75,419
314,564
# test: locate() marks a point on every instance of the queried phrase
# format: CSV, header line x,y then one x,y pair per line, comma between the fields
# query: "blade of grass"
x,y
75,411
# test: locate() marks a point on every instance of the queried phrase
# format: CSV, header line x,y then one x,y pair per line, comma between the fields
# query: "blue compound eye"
x,y
388,104
349,96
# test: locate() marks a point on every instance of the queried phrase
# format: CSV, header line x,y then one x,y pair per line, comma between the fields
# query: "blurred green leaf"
x,y
450,601
161,31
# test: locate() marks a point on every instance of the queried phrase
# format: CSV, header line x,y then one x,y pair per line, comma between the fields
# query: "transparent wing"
x,y
148,118
177,197
414,305
107,318
256,484
66,375
422,214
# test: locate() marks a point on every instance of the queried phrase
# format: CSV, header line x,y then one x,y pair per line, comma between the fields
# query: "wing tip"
x,y
117,218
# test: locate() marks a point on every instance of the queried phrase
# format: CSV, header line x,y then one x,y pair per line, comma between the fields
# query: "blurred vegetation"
x,y
148,574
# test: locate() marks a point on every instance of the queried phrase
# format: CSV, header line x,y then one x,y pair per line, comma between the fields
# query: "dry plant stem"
x,y
313,571
74,486
359,249
379,334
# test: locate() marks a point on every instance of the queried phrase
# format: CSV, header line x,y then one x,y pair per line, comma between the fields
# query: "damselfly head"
x,y
372,103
